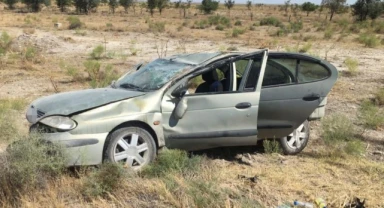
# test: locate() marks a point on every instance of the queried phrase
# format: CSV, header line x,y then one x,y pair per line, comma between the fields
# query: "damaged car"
x,y
192,102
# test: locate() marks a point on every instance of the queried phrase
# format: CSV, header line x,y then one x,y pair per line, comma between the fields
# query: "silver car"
x,y
192,102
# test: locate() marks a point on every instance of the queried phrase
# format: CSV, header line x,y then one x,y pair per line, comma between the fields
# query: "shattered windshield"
x,y
153,75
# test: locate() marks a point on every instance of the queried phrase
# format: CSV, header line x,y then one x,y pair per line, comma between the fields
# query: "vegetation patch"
x,y
352,65
271,21
74,23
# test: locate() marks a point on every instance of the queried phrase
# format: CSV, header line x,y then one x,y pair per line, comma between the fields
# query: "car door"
x,y
226,118
294,89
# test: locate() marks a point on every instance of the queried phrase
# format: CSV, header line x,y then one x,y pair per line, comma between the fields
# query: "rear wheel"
x,y
133,147
297,140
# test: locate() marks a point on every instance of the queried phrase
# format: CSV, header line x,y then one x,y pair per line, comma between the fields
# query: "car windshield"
x,y
153,75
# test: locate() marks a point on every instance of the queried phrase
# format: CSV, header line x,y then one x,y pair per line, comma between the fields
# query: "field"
x,y
43,59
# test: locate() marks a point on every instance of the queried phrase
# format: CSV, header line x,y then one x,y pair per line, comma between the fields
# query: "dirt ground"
x,y
281,178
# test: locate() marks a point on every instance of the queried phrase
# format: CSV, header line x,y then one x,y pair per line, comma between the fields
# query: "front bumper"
x,y
81,149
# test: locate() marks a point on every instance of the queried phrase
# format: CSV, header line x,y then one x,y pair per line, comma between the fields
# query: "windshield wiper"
x,y
130,86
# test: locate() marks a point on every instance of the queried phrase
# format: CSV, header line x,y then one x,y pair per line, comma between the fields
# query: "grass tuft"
x,y
352,65
74,23
271,146
371,115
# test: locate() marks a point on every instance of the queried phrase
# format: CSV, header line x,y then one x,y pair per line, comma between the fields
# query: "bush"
x,y
172,162
97,52
30,164
379,27
371,115
8,108
208,6
30,53
219,20
369,40
272,21
238,23
328,34
156,27
202,24
352,65
104,180
379,97
5,41
237,31
219,27
74,23
271,146
296,26
338,134
99,77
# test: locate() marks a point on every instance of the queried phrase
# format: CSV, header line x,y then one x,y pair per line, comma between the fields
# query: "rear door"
x,y
294,87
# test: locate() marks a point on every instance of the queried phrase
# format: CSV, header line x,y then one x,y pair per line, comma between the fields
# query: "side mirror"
x,y
181,108
180,91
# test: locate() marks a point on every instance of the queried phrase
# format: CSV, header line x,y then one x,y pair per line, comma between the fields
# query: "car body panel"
x,y
68,103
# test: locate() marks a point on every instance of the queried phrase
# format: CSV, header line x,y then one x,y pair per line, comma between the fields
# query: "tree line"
x,y
361,9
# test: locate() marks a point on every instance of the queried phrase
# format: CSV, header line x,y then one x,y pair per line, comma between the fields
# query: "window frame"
x,y
299,58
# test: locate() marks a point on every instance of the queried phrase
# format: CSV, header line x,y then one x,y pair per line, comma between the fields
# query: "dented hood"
x,y
68,103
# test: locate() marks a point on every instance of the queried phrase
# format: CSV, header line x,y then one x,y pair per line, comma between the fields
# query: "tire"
x,y
134,147
296,141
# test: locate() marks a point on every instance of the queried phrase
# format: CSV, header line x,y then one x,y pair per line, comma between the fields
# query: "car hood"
x,y
68,103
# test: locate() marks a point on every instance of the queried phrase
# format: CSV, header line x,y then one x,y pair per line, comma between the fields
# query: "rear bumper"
x,y
81,149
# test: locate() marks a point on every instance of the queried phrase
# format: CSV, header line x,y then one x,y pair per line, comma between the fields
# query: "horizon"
x,y
275,2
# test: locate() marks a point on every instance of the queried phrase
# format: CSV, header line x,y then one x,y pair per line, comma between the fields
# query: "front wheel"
x,y
297,140
133,147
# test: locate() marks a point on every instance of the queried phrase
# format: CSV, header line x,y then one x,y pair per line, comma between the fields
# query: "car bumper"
x,y
81,149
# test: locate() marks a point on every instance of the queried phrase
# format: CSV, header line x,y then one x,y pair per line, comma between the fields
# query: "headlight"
x,y
59,122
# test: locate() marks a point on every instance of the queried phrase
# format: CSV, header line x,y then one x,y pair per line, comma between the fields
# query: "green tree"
x,y
113,4
308,7
63,4
161,4
334,6
126,4
85,6
11,3
151,5
249,4
363,9
207,6
229,4
34,5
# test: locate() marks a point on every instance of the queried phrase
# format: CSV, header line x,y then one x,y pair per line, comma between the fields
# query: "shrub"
x,y
106,179
219,27
328,34
343,23
369,40
272,21
172,162
271,146
338,134
5,41
379,27
30,53
219,20
238,23
237,31
156,27
74,23
100,77
202,24
30,164
379,97
371,115
208,6
352,65
296,26
97,52
8,129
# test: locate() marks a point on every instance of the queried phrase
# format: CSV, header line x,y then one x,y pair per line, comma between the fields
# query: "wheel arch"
x,y
140,124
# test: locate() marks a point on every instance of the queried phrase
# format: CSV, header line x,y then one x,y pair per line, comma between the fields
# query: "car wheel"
x,y
133,147
297,140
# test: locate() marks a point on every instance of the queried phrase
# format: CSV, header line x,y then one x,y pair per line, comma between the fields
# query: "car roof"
x,y
202,57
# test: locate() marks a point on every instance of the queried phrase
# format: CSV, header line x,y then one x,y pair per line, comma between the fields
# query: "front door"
x,y
294,86
222,105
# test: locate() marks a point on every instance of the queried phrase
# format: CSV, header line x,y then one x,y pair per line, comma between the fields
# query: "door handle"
x,y
243,105
311,97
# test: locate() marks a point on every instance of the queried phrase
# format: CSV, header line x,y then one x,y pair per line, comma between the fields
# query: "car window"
x,y
310,71
153,75
253,75
200,84
279,71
